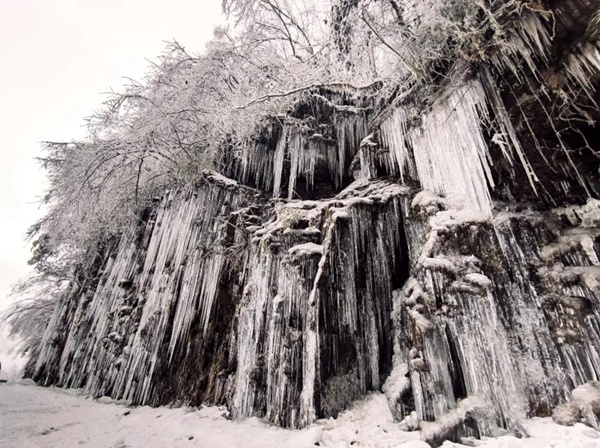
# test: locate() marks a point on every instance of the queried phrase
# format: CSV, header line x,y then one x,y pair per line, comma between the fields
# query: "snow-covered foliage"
x,y
28,316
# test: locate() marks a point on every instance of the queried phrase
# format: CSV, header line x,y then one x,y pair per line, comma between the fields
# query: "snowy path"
x,y
32,417
38,417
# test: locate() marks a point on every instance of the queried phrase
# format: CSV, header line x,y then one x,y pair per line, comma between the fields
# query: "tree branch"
x,y
343,85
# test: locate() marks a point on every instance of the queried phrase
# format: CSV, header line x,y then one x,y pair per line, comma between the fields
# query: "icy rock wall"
x,y
504,309
129,333
282,312
315,329
314,147
467,317
500,119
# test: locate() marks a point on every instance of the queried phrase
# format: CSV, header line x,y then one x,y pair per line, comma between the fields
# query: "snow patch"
x,y
395,387
306,249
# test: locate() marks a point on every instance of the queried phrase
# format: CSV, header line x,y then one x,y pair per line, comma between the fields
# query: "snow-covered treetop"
x,y
171,126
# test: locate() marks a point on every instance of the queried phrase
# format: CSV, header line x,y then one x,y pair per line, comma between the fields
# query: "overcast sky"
x,y
56,58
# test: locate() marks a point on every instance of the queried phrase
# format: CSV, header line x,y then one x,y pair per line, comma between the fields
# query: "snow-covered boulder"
x,y
585,404
566,414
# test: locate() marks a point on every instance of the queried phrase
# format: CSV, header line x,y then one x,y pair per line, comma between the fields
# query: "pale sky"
x,y
56,58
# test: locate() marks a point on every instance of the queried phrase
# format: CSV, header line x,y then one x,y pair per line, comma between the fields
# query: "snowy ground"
x,y
37,417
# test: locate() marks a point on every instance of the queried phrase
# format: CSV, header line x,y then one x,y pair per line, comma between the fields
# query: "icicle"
x,y
534,33
350,129
449,150
278,161
257,166
505,125
582,66
393,132
451,156
296,151
530,41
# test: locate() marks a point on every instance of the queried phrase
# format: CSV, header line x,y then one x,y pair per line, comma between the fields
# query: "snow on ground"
x,y
544,434
368,424
32,417
37,417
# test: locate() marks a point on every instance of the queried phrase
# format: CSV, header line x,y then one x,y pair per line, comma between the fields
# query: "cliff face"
x,y
442,248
